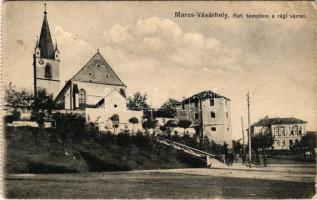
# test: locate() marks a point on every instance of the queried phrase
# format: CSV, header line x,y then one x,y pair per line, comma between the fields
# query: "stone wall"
x,y
102,117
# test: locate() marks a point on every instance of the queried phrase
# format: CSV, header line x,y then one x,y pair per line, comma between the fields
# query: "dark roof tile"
x,y
204,95
273,121
45,44
97,70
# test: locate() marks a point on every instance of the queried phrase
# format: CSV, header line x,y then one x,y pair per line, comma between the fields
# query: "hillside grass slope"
x,y
34,150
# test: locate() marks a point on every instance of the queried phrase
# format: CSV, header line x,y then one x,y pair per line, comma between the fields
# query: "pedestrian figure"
x,y
223,158
232,158
243,158
264,159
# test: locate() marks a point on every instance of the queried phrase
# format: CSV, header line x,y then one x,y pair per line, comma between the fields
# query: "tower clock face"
x,y
41,62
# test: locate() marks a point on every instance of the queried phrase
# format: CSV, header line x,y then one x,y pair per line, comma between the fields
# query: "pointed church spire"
x,y
45,44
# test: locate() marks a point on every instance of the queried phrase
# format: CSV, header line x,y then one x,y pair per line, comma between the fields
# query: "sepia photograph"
x,y
159,99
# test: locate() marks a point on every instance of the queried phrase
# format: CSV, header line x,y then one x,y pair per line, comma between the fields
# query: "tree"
x,y
163,129
25,99
115,121
133,121
262,141
149,124
41,104
184,124
170,124
169,108
42,107
18,99
138,102
43,101
307,143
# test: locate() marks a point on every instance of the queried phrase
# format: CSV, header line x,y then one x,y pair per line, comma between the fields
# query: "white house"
x,y
286,131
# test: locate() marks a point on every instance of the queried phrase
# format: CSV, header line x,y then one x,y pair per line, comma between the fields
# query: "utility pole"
x,y
249,129
201,123
243,136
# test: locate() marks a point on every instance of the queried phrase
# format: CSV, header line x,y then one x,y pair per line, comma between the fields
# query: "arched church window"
x,y
82,98
48,71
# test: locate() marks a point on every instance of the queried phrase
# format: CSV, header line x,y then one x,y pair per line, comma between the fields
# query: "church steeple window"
x,y
48,71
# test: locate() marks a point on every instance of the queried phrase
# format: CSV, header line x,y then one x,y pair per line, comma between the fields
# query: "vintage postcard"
x,y
159,100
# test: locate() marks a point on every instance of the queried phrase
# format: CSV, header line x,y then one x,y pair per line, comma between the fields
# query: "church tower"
x,y
46,62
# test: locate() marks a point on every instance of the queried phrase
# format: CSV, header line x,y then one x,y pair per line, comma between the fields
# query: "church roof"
x,y
276,121
45,44
97,70
203,95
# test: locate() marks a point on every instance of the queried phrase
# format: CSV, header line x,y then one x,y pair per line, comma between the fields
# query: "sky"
x,y
152,51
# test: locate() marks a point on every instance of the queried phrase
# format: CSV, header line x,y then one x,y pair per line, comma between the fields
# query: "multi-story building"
x,y
286,131
210,116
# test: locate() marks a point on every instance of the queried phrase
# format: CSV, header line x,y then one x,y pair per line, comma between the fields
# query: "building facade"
x,y
210,116
95,86
95,90
287,132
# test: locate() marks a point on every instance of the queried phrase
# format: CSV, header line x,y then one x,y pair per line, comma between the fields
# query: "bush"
x,y
124,139
69,126
13,117
107,138
142,141
69,122
38,116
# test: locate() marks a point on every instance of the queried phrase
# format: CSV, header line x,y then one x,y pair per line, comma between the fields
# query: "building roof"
x,y
97,70
45,44
63,91
275,121
204,95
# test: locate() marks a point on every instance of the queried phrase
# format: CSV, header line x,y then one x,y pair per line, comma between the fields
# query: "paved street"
x,y
289,181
